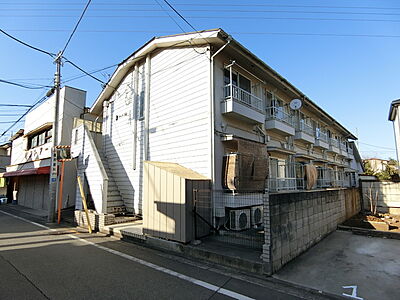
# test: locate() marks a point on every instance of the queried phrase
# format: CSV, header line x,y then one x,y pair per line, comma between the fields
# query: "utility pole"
x,y
53,183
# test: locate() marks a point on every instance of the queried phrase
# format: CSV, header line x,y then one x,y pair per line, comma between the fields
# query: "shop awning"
x,y
35,171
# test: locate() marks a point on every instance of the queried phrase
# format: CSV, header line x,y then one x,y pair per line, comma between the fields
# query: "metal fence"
x,y
238,218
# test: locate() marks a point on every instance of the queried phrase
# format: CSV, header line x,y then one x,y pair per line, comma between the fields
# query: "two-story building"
x,y
5,158
29,168
204,101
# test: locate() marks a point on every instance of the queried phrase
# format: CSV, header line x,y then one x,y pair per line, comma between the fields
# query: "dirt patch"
x,y
383,222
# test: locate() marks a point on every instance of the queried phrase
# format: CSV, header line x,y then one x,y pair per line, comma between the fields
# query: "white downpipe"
x,y
212,117
134,112
147,109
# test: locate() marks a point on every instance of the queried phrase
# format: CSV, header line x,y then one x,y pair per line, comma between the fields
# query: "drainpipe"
x,y
134,114
147,109
212,117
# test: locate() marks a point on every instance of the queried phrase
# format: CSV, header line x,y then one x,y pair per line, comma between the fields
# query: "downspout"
x,y
134,113
147,109
395,141
212,117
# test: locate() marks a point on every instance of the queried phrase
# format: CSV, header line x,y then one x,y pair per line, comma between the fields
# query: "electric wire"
x,y
191,17
200,4
24,114
37,87
14,105
76,26
178,13
83,71
26,44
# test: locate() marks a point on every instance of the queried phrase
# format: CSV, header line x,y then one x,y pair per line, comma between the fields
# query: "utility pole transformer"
x,y
53,182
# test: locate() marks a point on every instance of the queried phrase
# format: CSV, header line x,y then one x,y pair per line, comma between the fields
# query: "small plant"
x,y
373,199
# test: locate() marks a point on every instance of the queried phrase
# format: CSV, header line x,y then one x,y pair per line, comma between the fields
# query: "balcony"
x,y
343,149
279,121
242,104
282,184
334,146
321,139
305,133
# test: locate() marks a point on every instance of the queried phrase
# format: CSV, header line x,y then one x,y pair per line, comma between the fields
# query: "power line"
x,y
16,105
377,146
182,17
23,115
37,87
196,17
76,26
83,71
26,44
202,4
258,11
91,72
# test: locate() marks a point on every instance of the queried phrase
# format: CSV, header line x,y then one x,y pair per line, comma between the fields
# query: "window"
x,y
40,138
140,106
237,80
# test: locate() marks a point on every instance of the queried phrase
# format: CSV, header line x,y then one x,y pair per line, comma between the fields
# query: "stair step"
x,y
116,209
114,198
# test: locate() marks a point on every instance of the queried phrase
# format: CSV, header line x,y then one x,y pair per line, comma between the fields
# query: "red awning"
x,y
35,171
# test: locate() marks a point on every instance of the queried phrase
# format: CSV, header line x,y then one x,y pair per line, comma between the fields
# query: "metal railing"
x,y
282,184
350,150
321,135
306,128
334,142
278,113
243,97
343,146
323,183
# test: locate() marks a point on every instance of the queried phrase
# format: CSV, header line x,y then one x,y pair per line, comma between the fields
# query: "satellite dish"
x,y
296,104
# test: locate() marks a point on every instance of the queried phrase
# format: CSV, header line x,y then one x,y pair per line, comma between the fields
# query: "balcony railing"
x,y
278,113
321,135
350,151
343,146
306,128
334,142
323,182
243,97
282,184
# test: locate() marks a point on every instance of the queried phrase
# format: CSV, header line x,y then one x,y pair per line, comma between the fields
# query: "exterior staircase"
x,y
115,203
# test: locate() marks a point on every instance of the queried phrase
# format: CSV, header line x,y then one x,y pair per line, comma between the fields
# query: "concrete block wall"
x,y
388,193
296,221
97,221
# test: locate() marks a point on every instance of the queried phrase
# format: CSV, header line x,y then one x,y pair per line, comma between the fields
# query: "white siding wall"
x,y
118,139
179,122
180,108
88,167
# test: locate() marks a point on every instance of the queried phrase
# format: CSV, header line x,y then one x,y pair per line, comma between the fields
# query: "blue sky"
x,y
348,67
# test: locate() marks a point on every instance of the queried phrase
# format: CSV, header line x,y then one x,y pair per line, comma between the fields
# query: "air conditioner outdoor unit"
x,y
239,219
256,215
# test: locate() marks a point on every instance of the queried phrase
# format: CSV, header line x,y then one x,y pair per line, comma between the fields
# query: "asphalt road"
x,y
37,262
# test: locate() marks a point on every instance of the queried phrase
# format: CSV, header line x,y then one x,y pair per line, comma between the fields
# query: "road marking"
x,y
195,281
353,294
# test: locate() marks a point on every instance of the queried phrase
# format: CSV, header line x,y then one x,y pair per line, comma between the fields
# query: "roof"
x,y
177,170
213,36
17,135
393,109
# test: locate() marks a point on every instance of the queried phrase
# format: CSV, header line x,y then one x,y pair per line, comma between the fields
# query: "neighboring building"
x,y
395,118
29,168
376,164
5,158
204,101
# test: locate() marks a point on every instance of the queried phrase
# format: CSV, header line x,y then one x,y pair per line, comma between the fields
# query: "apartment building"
x,y
395,118
29,169
5,158
204,101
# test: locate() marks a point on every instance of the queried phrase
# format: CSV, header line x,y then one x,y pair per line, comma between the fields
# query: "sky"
x,y
343,54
